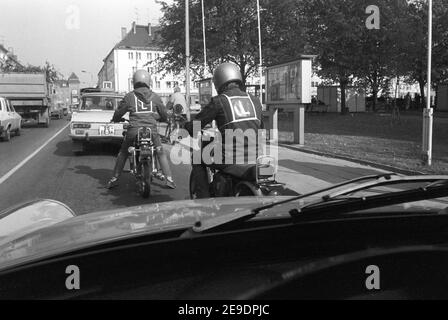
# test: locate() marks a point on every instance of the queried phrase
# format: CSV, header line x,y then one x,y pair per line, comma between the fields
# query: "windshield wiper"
x,y
437,187
244,215
344,204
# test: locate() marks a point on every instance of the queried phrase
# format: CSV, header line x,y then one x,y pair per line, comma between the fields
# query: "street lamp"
x,y
428,113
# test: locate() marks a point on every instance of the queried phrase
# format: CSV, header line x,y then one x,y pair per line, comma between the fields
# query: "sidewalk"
x,y
303,172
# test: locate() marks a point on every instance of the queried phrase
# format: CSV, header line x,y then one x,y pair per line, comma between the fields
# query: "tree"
x,y
51,73
334,32
382,49
231,33
417,47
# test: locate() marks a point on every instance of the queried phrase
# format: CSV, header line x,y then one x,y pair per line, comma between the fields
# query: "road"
x,y
78,181
40,164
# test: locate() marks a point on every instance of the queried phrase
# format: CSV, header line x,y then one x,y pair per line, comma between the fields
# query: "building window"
x,y
157,84
139,55
130,55
168,84
157,55
149,56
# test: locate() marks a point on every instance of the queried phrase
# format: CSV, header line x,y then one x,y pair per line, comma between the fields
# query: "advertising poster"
x,y
285,83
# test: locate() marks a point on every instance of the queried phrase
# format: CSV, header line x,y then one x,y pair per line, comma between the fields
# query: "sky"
x,y
74,35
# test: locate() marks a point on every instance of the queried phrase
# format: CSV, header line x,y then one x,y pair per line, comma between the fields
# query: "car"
x,y
10,120
57,111
326,244
92,121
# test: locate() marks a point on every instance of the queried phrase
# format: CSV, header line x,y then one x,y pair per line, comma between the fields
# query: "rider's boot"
x,y
170,183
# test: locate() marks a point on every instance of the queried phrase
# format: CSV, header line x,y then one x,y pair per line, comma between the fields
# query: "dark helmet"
x,y
226,73
143,77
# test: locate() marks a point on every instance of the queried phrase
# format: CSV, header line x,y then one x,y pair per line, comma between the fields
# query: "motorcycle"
x,y
143,162
258,179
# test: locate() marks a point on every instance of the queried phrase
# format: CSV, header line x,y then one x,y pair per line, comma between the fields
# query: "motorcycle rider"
x,y
232,109
145,108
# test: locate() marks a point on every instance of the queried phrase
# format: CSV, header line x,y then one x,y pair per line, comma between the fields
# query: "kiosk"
x,y
288,88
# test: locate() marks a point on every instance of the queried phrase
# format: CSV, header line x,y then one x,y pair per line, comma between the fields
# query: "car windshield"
x,y
99,103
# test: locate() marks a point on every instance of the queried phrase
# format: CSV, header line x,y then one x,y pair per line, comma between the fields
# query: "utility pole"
x,y
428,113
259,48
203,36
187,56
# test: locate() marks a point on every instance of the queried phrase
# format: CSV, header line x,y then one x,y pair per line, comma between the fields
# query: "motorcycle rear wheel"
x,y
145,183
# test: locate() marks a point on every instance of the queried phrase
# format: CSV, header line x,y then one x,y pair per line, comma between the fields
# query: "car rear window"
x,y
99,103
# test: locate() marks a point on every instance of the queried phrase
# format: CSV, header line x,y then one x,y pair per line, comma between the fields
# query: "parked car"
x,y
10,120
92,121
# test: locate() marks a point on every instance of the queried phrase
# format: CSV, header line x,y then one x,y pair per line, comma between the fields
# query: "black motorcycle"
x,y
143,162
241,180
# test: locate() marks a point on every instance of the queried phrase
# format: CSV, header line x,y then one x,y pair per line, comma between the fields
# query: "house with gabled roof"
x,y
139,49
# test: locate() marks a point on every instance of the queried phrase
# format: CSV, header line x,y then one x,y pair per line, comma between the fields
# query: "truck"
x,y
28,94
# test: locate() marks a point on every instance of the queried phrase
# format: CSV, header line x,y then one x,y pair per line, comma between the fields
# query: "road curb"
x,y
355,160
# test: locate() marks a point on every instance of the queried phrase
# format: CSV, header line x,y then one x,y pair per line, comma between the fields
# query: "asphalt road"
x,y
56,173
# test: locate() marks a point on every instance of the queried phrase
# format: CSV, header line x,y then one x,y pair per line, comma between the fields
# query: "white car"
x,y
10,120
92,121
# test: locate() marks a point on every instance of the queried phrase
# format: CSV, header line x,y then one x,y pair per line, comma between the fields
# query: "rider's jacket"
x,y
232,110
144,106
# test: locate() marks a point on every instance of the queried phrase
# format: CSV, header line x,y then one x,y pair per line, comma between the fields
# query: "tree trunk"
x,y
421,83
344,109
375,98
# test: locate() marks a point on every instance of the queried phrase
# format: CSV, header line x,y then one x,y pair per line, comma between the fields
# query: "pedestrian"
x,y
177,98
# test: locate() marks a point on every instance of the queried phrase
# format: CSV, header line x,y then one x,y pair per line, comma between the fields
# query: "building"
x,y
138,49
66,91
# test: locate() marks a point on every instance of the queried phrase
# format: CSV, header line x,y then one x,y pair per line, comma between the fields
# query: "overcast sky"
x,y
52,30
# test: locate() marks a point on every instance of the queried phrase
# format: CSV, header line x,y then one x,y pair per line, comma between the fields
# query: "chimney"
x,y
149,30
123,32
134,27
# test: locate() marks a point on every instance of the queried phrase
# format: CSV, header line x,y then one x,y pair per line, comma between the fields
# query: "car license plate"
x,y
107,130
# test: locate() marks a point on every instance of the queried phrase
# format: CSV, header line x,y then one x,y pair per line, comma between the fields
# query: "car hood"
x,y
93,116
107,226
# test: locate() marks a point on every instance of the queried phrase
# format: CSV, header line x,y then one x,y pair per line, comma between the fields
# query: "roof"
x,y
73,78
141,38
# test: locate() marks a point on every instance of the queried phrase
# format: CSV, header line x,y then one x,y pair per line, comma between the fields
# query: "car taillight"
x,y
81,126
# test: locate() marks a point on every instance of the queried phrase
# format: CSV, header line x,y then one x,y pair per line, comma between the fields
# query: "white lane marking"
x,y
21,164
